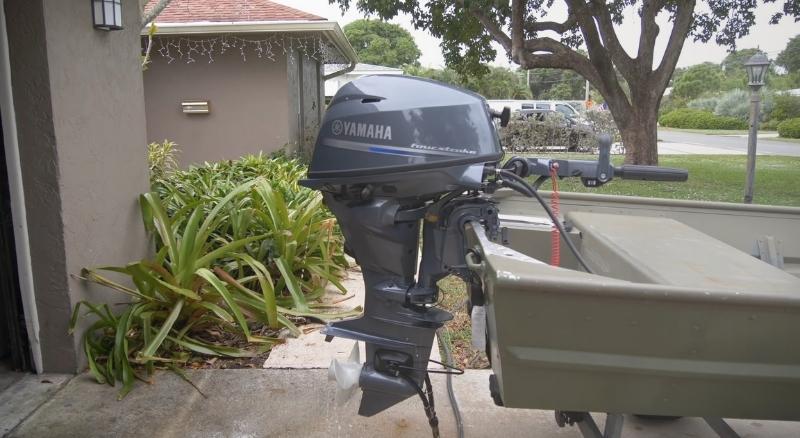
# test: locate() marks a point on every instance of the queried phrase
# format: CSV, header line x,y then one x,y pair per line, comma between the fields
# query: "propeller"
x,y
346,374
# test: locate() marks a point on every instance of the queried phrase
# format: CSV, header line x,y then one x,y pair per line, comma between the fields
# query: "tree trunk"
x,y
640,136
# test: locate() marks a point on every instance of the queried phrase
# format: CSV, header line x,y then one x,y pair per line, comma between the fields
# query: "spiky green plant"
x,y
240,255
161,158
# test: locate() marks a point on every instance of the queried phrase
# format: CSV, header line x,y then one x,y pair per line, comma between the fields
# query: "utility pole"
x,y
528,82
586,96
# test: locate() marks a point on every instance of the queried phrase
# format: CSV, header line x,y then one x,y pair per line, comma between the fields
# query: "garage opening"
x,y
14,350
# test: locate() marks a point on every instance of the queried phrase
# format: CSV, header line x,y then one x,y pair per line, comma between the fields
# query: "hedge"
x,y
538,135
789,128
786,107
770,125
698,119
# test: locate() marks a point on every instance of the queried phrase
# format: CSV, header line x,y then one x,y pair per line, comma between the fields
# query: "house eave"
x,y
330,29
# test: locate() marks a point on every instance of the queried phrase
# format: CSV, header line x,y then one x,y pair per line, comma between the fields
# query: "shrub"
x,y
767,105
786,107
734,103
602,122
240,248
703,103
770,125
697,119
161,158
789,128
671,103
537,135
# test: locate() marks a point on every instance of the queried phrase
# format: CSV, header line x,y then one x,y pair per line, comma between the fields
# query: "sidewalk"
x,y
669,148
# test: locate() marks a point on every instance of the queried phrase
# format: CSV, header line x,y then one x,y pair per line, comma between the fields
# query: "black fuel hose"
x,y
451,394
519,184
427,401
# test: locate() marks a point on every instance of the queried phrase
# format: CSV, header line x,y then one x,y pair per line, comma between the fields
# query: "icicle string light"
x,y
190,50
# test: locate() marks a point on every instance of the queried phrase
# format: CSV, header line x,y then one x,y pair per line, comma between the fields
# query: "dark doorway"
x,y
14,350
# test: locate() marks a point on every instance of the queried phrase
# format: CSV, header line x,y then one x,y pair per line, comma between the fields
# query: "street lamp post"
x,y
756,67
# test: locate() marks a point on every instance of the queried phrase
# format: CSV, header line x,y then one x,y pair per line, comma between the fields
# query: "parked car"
x,y
562,107
540,114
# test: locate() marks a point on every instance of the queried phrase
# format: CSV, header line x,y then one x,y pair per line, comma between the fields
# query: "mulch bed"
x,y
458,331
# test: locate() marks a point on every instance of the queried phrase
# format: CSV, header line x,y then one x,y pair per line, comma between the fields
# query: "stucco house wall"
x,y
264,91
249,106
78,100
306,102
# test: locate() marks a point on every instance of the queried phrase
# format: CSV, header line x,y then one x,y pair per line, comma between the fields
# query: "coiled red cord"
x,y
555,241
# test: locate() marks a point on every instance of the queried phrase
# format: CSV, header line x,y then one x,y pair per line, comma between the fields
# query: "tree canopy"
x,y
498,83
381,43
551,83
698,79
632,84
733,64
790,56
708,78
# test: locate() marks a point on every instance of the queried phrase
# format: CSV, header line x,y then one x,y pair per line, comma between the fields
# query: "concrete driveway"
x,y
302,403
680,142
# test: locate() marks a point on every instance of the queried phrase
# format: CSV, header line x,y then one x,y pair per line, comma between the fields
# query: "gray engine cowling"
x,y
378,126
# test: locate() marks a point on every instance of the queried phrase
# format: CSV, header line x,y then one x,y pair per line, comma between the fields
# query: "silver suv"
x,y
562,107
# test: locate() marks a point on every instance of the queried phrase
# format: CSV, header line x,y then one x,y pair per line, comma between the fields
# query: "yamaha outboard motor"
x,y
395,153
388,147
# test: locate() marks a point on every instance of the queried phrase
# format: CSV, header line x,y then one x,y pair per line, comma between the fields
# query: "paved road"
x,y
724,144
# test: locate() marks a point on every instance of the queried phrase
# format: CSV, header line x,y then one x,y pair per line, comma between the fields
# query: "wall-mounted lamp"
x,y
195,107
107,14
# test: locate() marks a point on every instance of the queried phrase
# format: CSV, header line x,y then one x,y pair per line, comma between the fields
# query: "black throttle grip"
x,y
651,173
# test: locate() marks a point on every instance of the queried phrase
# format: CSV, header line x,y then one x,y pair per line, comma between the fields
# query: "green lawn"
x,y
731,132
711,178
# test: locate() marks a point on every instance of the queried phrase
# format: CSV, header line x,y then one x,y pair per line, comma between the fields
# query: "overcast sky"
x,y
770,38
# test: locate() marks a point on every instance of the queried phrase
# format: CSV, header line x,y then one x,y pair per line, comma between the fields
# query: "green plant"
x,y
161,158
786,107
602,122
697,119
736,103
790,56
733,103
789,128
382,43
770,125
671,103
697,80
231,258
703,103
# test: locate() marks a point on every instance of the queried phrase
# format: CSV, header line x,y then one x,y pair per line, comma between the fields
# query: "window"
x,y
565,109
542,106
